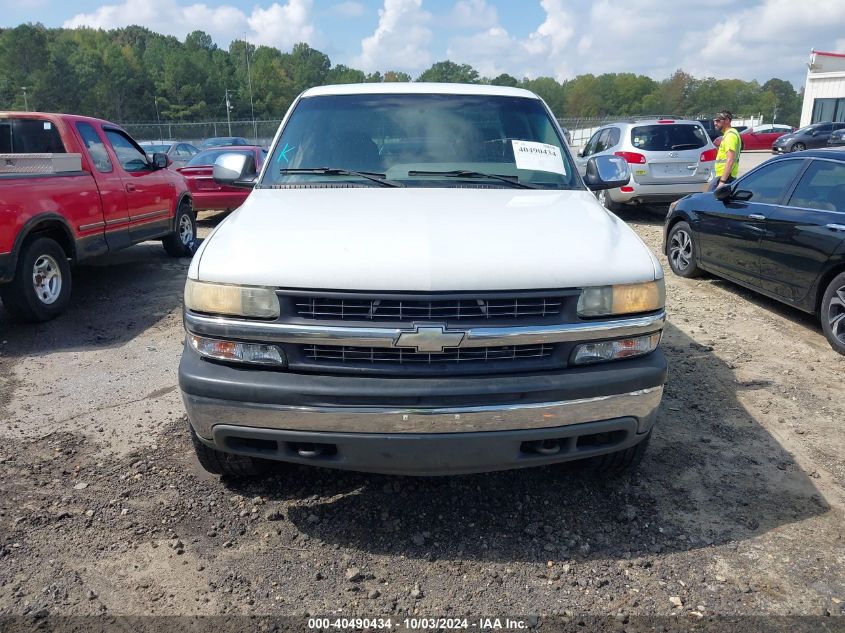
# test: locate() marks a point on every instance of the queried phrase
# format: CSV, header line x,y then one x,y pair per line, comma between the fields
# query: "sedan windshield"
x,y
421,140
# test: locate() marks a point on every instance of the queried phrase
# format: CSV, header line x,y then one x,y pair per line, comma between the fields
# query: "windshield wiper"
x,y
335,171
685,146
461,173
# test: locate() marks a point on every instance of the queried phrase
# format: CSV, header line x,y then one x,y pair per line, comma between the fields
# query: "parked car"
x,y
710,128
669,158
177,153
95,191
760,136
208,194
223,141
420,282
837,138
810,137
779,230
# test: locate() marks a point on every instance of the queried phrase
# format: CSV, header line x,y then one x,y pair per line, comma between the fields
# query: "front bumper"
x,y
422,425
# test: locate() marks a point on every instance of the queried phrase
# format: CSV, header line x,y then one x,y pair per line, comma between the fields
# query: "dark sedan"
x,y
810,137
779,230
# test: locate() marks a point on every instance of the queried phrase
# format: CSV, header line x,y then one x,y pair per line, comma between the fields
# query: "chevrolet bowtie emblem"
x,y
430,339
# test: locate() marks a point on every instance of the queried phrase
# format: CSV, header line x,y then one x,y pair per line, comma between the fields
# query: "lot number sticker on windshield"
x,y
538,156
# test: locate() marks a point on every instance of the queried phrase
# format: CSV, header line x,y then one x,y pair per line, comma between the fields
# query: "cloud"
x,y
400,40
279,25
544,51
348,9
760,39
473,14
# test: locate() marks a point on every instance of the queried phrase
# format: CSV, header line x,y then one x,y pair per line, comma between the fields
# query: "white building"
x,y
824,93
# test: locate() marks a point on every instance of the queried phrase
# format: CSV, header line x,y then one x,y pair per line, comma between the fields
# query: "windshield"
x,y
665,137
394,134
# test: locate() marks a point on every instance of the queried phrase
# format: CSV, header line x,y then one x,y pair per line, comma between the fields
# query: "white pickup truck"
x,y
421,283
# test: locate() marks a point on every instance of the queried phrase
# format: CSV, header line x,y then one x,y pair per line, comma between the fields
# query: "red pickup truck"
x,y
72,187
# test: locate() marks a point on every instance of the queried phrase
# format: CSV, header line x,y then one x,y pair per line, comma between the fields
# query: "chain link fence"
x,y
262,132
255,132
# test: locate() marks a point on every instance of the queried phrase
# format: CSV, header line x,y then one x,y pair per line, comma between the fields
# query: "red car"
x,y
760,137
208,194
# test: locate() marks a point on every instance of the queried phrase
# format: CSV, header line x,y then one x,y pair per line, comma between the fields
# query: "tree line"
x,y
135,75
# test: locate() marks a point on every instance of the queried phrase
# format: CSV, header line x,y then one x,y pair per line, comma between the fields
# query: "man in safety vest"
x,y
727,159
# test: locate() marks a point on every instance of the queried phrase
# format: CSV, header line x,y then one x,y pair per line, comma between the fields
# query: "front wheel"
x,y
833,313
682,253
621,461
179,242
227,464
40,290
799,147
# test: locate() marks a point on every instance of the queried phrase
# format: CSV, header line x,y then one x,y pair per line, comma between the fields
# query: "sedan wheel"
x,y
681,251
799,147
833,313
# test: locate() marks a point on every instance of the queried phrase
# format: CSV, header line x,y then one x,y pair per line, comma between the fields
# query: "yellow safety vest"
x,y
730,141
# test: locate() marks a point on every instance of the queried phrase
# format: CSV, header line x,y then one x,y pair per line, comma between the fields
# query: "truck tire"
x,y
220,463
832,313
621,461
40,290
178,243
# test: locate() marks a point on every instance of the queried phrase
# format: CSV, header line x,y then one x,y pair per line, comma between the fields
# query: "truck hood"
x,y
415,239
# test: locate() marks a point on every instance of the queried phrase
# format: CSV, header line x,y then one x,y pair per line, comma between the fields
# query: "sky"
x,y
745,39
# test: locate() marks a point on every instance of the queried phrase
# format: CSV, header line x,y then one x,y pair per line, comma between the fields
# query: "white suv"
x,y
421,283
669,158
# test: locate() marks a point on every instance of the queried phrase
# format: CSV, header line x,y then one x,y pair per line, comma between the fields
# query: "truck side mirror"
x,y
236,170
160,160
607,172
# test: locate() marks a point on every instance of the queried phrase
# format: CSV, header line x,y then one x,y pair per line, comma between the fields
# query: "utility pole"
x,y
158,118
25,101
249,81
228,111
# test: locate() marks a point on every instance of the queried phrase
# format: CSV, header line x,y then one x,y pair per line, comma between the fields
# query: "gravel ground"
x,y
737,509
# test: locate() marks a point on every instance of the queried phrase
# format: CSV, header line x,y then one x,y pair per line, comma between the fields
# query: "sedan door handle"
x,y
836,227
130,187
756,216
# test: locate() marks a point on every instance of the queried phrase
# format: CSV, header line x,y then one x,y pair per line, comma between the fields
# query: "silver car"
x,y
668,158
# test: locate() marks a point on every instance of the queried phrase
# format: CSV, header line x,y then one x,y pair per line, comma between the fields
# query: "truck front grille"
x,y
392,356
380,309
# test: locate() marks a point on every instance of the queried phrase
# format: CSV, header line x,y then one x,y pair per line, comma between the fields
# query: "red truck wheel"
x,y
178,243
40,290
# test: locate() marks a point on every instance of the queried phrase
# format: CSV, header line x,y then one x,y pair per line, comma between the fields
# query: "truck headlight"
x,y
248,301
234,351
622,299
602,351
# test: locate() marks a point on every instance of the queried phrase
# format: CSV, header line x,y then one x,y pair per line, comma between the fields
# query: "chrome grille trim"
x,y
403,356
405,309
386,337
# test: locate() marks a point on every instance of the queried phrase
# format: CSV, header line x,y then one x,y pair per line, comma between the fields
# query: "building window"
x,y
828,110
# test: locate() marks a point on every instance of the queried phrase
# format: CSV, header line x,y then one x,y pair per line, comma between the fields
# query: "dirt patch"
x,y
736,510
